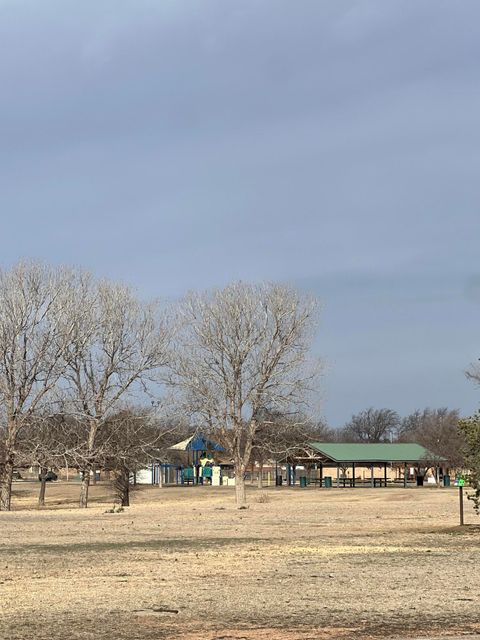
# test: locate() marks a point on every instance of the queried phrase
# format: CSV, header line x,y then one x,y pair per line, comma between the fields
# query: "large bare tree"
x,y
241,351
437,430
371,425
35,329
119,346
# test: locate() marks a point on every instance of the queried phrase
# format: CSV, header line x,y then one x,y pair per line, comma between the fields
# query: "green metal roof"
x,y
374,452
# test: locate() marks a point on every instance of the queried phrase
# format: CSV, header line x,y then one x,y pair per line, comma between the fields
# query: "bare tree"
x,y
371,425
129,441
320,431
240,351
283,438
437,430
45,442
277,436
35,329
119,345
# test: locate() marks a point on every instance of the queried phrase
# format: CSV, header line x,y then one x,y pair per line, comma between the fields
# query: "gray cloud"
x,y
331,144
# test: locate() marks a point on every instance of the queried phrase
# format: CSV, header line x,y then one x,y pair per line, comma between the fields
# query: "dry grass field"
x,y
184,563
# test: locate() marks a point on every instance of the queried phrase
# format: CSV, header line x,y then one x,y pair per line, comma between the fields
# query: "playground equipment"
x,y
201,465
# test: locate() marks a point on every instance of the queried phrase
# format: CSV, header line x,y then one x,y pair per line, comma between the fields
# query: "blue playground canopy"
x,y
197,443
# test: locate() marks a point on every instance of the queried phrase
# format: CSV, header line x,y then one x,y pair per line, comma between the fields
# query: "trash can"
x,y
419,481
303,481
278,481
328,482
446,481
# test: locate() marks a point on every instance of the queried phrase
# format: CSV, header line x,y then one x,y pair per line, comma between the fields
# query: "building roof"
x,y
374,452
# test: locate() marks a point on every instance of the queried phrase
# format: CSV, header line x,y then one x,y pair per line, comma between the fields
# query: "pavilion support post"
x,y
338,476
404,475
353,474
385,473
372,477
321,473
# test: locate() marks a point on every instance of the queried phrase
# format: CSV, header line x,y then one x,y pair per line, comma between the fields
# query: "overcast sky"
x,y
180,144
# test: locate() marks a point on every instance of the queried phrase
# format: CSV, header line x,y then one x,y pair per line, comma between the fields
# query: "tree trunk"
x,y
121,486
93,429
240,495
84,488
6,467
260,476
6,477
43,486
94,477
125,497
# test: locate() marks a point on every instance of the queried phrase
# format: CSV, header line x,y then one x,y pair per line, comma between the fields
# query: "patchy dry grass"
x,y
184,563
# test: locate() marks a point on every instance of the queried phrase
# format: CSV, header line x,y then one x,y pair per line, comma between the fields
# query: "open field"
x,y
184,563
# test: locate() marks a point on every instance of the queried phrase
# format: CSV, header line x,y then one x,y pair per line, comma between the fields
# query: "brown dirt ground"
x,y
184,563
